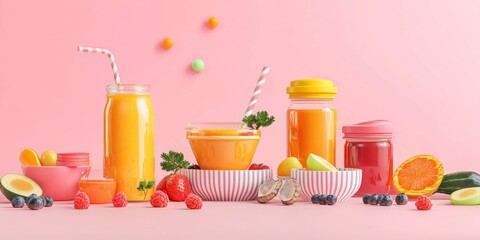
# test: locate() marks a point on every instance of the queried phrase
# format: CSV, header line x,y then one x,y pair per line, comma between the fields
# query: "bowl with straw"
x,y
228,145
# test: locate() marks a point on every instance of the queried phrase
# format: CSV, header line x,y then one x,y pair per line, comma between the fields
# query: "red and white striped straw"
x,y
257,91
110,57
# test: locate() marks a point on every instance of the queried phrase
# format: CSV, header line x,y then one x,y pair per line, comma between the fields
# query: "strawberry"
x,y
260,166
178,187
162,185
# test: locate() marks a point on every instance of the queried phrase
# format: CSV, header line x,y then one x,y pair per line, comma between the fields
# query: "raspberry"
x,y
193,201
159,199
120,200
423,203
81,201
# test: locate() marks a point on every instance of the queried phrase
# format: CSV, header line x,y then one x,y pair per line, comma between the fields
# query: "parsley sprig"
x,y
261,119
173,161
144,186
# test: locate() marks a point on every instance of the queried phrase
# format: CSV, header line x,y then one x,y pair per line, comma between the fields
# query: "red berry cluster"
x,y
81,201
120,200
159,199
423,203
193,201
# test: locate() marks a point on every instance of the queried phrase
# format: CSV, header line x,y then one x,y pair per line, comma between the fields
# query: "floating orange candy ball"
x,y
212,22
167,43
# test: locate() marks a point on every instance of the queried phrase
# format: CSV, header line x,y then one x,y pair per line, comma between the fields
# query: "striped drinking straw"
x,y
110,57
257,91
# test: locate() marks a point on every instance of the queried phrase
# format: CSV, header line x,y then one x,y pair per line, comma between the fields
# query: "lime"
x,y
317,163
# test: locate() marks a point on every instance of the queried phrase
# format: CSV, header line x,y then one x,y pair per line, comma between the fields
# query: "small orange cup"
x,y
98,190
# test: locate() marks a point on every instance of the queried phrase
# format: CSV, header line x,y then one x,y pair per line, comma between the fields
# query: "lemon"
x,y
49,158
29,157
317,163
288,164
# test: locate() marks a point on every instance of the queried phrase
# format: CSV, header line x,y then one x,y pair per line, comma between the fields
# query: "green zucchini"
x,y
458,180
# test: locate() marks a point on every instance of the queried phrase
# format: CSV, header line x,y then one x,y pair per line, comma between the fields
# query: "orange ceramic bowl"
x,y
58,182
222,146
98,191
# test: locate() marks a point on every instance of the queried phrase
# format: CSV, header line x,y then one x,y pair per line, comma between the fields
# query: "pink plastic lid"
x,y
370,129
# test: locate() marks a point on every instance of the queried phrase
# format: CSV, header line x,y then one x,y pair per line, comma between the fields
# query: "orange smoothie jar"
x,y
311,119
128,140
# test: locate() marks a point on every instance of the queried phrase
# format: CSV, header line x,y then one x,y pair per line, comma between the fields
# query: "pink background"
x,y
415,63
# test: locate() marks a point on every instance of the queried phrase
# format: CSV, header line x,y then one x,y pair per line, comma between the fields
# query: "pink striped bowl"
x,y
226,185
343,183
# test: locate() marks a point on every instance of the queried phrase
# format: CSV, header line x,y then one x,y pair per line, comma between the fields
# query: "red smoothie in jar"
x,y
368,146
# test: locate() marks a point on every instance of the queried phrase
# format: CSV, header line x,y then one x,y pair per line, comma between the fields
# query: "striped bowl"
x,y
226,185
344,183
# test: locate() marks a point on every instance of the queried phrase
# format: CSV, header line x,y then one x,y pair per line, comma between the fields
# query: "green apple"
x,y
317,163
466,196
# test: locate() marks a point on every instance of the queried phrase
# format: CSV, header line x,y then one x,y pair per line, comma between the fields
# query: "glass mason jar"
x,y
311,120
128,139
368,146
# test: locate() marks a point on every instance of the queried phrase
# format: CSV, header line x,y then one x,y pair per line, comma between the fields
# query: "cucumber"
x,y
458,180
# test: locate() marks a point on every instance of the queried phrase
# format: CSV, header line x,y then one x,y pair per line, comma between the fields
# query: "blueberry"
x,y
385,200
30,197
315,198
322,199
48,201
365,198
401,199
18,202
373,199
35,203
331,199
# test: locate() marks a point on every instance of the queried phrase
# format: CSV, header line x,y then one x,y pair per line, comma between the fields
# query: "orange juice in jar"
x,y
128,141
311,120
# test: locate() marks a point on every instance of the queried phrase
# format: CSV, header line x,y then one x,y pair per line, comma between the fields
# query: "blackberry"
x,y
365,198
18,202
331,199
195,166
401,199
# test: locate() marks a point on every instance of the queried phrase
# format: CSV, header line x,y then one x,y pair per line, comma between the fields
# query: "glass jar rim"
x,y
128,89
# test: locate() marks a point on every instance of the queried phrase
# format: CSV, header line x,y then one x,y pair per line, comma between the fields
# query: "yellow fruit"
x,y
288,164
49,158
29,157
419,175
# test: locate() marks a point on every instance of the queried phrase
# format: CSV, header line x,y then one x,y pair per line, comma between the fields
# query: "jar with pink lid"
x,y
368,146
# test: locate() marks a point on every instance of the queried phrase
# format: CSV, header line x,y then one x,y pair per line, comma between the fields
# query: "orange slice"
x,y
29,157
419,175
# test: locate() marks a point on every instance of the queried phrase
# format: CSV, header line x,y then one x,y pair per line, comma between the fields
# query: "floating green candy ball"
x,y
198,65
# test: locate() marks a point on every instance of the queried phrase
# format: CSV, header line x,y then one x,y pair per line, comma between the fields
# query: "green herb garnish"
x,y
173,161
260,120
144,186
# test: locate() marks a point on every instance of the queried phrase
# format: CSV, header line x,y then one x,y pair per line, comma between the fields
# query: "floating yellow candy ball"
x,y
212,22
167,43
